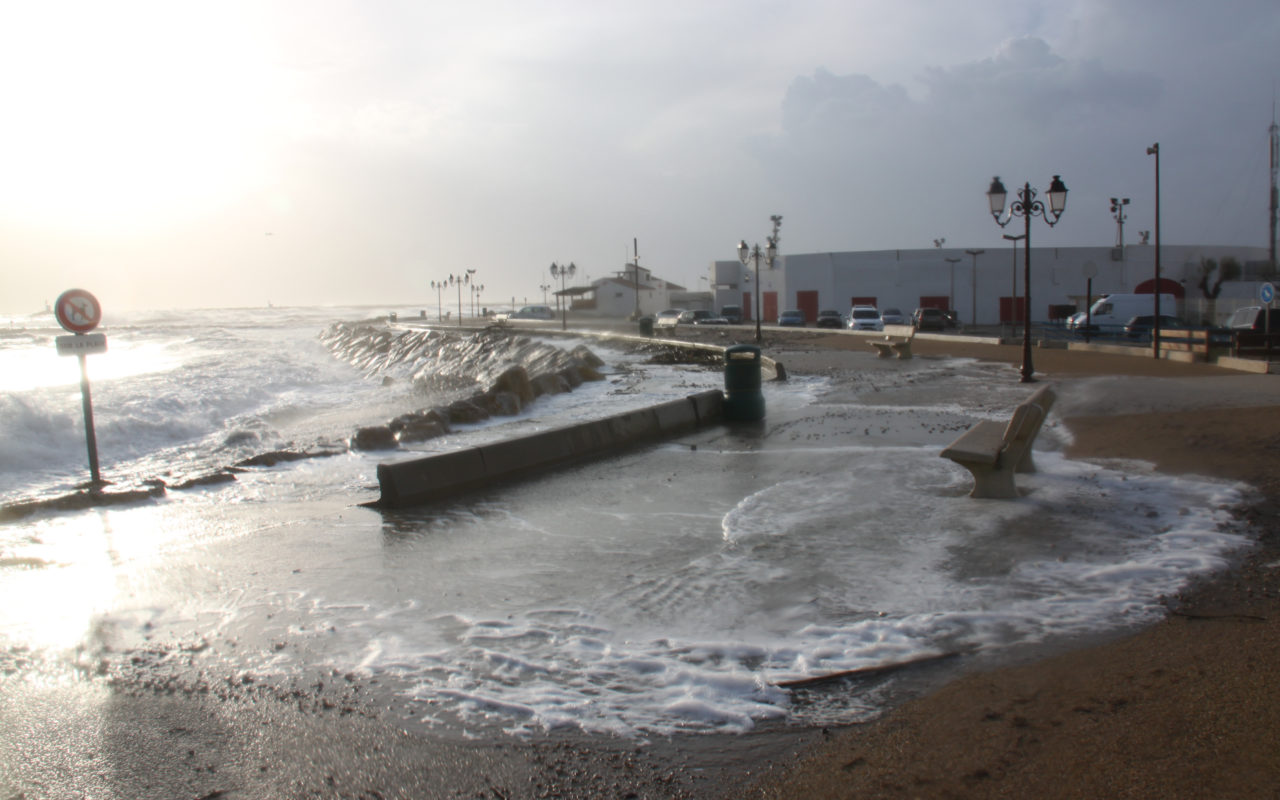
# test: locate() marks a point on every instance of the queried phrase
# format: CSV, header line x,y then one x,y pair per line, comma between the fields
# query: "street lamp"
x,y
459,280
951,298
545,287
973,289
1026,206
563,273
439,287
746,253
476,289
1154,150
1117,213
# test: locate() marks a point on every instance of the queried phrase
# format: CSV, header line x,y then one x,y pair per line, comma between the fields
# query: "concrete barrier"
x,y
438,477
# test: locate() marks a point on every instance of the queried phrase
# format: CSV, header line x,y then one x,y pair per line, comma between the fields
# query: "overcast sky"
x,y
190,154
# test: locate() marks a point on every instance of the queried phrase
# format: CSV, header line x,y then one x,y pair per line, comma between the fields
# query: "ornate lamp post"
x,y
545,287
1026,206
476,289
563,273
439,287
746,254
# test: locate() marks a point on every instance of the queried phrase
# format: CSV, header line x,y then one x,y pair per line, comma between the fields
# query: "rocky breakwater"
x,y
489,373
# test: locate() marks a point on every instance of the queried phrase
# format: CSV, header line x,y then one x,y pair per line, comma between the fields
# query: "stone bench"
x,y
994,451
896,341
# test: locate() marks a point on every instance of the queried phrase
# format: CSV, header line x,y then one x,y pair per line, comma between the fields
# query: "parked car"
x,y
929,319
829,318
865,318
792,317
700,316
668,318
893,316
732,314
1139,327
1251,318
533,312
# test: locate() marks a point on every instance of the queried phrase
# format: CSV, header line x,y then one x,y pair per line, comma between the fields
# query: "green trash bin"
x,y
743,399
646,326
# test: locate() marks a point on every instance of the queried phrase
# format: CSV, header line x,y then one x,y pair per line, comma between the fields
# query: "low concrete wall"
x,y
437,477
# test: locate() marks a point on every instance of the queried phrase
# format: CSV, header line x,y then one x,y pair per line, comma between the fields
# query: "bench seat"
x,y
993,452
896,341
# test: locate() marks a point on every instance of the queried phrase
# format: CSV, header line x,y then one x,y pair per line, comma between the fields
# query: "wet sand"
x,y
1187,708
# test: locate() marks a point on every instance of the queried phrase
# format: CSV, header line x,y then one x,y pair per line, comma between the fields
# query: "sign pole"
x,y
90,437
79,312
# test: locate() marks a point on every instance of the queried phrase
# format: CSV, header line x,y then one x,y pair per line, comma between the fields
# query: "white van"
x,y
1110,313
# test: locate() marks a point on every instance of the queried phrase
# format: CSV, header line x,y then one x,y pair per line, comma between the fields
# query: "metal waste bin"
x,y
743,399
646,326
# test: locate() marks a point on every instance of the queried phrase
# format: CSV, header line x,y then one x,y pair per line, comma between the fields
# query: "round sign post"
x,y
79,312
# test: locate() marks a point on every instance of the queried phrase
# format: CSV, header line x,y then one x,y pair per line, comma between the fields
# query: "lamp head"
x,y
1057,197
744,252
996,195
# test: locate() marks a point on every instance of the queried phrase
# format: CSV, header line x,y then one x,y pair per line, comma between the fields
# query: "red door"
x,y
941,302
747,308
863,301
770,306
1011,309
808,303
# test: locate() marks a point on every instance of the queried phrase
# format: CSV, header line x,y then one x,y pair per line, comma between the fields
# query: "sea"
x,y
682,587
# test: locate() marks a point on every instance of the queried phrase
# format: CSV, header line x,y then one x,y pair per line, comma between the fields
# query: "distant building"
x,y
616,295
990,294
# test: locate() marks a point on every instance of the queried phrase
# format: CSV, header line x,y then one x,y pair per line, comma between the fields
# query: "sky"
x,y
181,154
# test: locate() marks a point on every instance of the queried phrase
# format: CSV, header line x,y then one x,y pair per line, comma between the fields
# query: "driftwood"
x,y
863,672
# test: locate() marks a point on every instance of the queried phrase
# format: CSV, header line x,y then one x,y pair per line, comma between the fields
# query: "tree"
x,y
1228,270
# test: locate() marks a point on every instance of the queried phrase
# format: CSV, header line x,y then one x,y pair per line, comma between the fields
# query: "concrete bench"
x,y
896,341
994,451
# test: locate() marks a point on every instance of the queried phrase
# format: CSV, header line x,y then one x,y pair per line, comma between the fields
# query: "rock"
x,y
500,404
463,412
515,380
549,384
374,437
420,431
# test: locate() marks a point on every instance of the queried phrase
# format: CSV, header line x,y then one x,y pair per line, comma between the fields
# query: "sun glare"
x,y
125,114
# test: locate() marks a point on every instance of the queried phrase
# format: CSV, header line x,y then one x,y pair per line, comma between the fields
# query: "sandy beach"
x,y
1188,707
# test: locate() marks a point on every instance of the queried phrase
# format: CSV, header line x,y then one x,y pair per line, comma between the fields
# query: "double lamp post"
x,y
1027,206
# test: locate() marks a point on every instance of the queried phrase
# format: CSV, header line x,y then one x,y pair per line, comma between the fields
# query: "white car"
x,y
534,312
668,318
865,318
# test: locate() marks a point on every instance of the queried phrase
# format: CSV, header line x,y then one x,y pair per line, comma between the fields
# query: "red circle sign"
x,y
78,311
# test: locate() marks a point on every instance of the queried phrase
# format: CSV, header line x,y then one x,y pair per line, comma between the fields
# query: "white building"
x,y
984,286
622,293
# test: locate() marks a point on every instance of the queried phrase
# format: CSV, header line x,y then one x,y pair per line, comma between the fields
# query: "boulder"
x,y
374,437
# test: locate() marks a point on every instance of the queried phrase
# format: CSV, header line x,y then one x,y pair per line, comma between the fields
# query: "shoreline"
x,y
1015,724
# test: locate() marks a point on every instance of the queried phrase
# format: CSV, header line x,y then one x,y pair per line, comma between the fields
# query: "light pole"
x,y
545,287
1117,213
1154,150
459,280
476,289
563,273
1026,206
439,287
1013,289
951,298
973,289
746,253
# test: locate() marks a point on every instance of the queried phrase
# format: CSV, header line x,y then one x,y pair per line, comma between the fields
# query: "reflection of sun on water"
x,y
70,572
27,368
